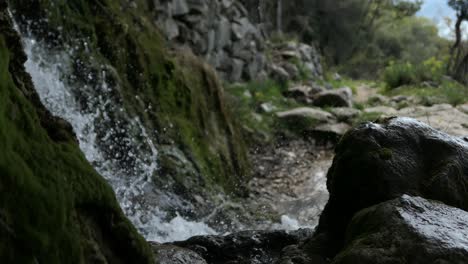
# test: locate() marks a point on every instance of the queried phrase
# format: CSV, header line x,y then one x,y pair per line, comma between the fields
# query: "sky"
x,y
437,10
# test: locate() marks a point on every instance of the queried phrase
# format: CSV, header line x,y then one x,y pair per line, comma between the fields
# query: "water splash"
x,y
118,145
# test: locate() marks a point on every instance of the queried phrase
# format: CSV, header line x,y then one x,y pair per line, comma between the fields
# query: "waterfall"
x,y
115,143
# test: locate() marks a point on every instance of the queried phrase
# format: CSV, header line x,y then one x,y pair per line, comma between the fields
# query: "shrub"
x,y
399,74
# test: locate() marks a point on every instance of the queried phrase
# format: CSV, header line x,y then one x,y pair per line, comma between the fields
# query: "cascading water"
x,y
115,143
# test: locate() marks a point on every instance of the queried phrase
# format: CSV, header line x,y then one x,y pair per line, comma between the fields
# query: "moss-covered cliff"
x,y
177,97
54,208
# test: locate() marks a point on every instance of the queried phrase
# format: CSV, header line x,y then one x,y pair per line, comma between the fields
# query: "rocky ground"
x,y
290,174
290,178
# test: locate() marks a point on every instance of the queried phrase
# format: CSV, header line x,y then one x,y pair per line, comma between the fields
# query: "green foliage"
x,y
448,91
460,6
246,99
399,74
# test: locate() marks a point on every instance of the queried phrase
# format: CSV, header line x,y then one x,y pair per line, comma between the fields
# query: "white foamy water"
x,y
117,144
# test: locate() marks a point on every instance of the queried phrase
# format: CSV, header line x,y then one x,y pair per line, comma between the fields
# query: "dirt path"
x,y
363,93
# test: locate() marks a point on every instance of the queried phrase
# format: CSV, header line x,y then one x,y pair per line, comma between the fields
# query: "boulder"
x,y
308,115
335,98
377,162
300,93
169,254
331,131
407,230
345,114
244,247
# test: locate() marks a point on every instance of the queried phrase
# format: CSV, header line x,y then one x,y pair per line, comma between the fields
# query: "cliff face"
x,y
54,207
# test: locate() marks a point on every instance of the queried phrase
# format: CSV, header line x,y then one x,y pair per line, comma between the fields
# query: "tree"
x,y
458,65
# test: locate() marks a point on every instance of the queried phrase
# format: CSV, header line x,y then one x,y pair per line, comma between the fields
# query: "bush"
x,y
399,74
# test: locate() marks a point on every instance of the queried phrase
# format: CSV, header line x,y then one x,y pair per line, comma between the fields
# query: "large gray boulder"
x,y
335,98
407,230
377,162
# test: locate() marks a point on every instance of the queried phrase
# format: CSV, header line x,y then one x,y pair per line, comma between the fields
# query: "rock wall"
x,y
221,31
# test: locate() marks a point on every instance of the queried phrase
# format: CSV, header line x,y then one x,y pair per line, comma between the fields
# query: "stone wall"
x,y
221,31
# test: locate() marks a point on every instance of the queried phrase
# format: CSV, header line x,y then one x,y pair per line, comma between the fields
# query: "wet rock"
x,y
345,114
407,230
169,254
377,162
335,98
262,247
306,115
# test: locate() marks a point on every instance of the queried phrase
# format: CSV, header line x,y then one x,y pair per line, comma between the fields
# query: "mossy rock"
x,y
187,111
54,207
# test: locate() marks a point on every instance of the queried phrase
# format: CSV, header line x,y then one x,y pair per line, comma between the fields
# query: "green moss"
x,y
260,127
46,187
178,98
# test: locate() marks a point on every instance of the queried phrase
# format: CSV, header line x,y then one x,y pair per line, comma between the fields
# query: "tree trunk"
x,y
454,55
461,73
279,15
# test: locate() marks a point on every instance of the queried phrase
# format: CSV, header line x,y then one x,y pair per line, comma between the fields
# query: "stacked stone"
x,y
219,31
222,33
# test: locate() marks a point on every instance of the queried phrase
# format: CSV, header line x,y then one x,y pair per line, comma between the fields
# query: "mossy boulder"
x,y
54,207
